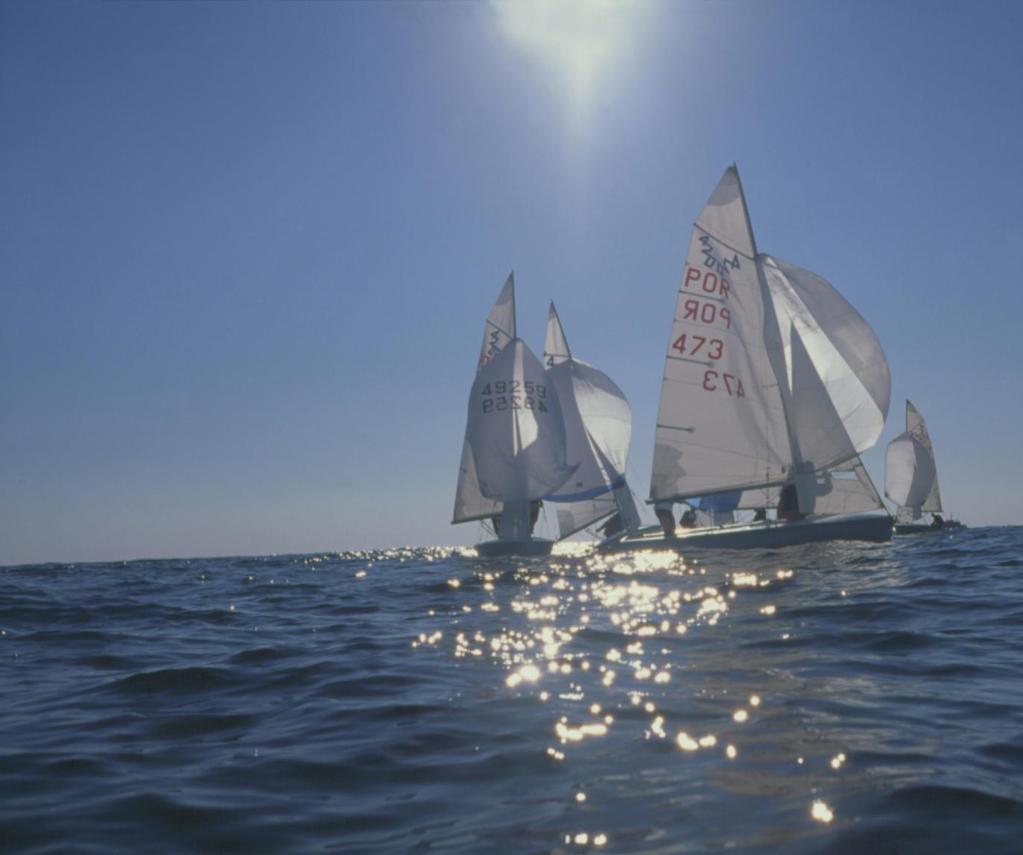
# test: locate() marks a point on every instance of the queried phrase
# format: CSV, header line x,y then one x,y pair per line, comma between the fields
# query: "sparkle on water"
x,y
657,600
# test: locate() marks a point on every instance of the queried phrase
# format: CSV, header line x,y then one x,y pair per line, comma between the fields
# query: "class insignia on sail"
x,y
773,386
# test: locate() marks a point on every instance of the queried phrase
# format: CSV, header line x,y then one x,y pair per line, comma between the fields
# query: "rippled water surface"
x,y
838,698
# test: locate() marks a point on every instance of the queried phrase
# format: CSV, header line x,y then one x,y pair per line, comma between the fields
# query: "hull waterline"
x,y
871,527
530,548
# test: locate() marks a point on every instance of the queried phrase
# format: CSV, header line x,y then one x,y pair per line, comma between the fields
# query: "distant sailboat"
x,y
773,385
598,427
514,449
911,478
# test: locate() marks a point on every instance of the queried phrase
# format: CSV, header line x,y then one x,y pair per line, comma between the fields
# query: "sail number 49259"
x,y
514,395
714,381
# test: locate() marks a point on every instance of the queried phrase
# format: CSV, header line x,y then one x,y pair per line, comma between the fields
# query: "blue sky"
x,y
246,250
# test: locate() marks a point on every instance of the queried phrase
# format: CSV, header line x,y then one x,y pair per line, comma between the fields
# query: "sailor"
x,y
534,513
688,519
760,515
788,504
938,521
666,517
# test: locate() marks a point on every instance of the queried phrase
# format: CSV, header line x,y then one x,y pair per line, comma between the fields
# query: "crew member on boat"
x,y
666,517
788,504
688,519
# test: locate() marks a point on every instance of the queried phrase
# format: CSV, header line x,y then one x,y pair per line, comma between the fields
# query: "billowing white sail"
x,y
909,472
721,423
771,376
598,428
499,330
515,428
911,478
844,411
918,430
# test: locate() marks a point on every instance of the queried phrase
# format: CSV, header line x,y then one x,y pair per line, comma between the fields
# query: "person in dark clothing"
x,y
665,517
534,513
788,504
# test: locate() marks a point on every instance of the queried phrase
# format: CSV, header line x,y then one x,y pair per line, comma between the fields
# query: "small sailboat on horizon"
x,y
773,386
911,479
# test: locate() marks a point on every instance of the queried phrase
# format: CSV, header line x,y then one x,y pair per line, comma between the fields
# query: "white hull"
x,y
770,534
532,547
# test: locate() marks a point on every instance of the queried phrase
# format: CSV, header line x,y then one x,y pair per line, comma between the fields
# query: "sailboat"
x,y
911,478
773,386
598,427
514,450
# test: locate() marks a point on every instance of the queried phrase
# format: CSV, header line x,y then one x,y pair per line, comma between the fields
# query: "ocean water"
x,y
837,698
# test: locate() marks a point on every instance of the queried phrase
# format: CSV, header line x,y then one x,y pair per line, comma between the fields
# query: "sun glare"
x,y
580,39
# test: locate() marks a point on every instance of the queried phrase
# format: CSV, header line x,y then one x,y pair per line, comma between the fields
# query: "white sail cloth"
x,y
909,472
515,428
598,429
911,476
770,373
498,331
918,430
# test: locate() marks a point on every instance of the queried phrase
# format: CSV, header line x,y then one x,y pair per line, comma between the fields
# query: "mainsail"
x,y
911,478
770,376
598,428
499,330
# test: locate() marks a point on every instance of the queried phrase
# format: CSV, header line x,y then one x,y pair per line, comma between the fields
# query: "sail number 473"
x,y
691,345
715,380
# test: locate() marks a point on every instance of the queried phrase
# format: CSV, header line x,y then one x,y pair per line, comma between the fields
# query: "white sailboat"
x,y
514,450
598,427
773,385
911,478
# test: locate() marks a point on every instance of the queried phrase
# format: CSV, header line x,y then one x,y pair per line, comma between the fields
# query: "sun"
x,y
582,40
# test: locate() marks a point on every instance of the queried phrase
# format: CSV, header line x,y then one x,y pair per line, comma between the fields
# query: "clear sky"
x,y
246,250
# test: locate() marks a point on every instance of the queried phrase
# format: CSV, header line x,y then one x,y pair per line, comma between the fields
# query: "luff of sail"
x,y
515,428
498,331
721,423
598,429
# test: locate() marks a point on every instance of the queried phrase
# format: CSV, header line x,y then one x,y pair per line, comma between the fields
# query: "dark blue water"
x,y
844,698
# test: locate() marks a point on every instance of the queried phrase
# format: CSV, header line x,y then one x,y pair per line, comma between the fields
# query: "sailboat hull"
x,y
926,528
872,527
530,548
